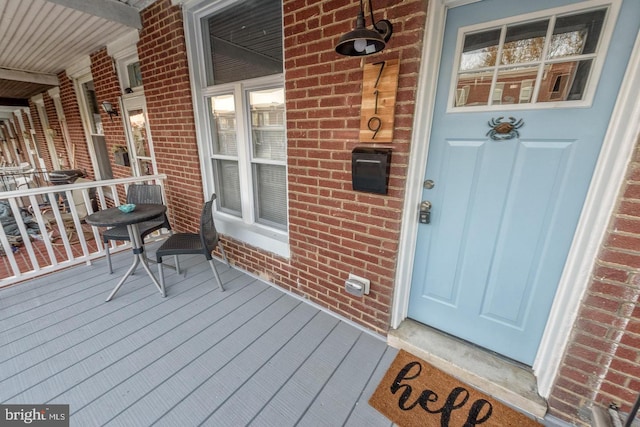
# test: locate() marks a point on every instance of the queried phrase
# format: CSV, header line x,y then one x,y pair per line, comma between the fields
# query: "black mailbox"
x,y
370,169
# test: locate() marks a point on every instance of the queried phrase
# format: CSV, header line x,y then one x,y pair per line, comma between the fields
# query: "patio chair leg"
x,y
161,274
106,247
215,273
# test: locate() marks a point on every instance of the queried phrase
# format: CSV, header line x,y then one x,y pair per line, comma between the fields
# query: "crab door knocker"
x,y
501,131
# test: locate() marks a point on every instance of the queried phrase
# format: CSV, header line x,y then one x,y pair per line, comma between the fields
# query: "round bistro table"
x,y
114,217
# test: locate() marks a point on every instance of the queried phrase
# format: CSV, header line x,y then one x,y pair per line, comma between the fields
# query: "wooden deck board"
x,y
251,355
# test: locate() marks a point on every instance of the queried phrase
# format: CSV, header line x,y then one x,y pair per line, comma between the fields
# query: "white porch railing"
x,y
40,235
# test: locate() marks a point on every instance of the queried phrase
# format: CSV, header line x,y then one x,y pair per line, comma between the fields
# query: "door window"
x,y
93,122
553,59
140,141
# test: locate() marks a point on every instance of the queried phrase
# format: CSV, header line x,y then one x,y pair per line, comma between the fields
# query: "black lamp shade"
x,y
362,41
359,42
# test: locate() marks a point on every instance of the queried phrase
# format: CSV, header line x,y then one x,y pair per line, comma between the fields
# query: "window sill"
x,y
257,235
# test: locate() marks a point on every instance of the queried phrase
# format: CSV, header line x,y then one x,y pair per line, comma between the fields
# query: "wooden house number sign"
x,y
379,88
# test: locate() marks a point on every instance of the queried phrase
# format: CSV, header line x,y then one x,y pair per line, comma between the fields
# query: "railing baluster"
x,y
60,251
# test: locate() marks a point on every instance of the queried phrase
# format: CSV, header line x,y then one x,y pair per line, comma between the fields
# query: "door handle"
x,y
425,212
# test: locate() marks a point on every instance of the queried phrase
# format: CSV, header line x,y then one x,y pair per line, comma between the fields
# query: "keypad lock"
x,y
425,212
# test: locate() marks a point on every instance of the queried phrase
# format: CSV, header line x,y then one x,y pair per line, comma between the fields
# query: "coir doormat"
x,y
414,393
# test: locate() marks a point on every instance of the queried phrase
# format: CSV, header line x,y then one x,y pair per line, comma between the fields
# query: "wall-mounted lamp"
x,y
108,108
362,41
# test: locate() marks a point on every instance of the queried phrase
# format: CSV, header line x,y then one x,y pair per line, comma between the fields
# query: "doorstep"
x,y
504,380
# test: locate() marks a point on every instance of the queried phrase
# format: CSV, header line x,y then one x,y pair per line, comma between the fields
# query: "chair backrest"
x,y
208,232
145,194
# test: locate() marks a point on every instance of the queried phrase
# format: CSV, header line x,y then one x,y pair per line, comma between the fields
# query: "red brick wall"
x,y
602,363
333,229
107,88
74,123
165,75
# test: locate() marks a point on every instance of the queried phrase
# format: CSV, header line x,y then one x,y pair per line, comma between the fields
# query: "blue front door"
x,y
525,94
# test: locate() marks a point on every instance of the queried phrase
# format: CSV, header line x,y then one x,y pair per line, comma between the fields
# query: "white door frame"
x,y
618,145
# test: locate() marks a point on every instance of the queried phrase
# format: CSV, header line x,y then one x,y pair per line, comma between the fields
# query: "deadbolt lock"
x,y
425,212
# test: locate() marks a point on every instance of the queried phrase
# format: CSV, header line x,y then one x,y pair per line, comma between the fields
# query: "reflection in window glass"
x,y
524,43
267,123
480,50
576,34
564,81
514,85
135,75
483,79
223,125
139,133
146,167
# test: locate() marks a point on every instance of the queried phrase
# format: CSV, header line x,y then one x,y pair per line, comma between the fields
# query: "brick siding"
x,y
165,75
333,230
602,364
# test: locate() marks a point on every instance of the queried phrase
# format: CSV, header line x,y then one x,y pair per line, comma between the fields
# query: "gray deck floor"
x,y
251,355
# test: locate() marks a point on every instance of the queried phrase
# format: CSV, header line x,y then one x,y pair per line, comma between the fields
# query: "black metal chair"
x,y
201,243
138,194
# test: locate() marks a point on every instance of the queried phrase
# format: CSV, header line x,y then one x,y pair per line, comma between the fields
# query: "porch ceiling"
x,y
40,38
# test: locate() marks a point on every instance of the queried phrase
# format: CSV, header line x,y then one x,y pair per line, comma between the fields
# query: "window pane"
x,y
223,125
135,76
524,42
146,167
564,81
227,180
139,133
244,41
576,34
480,50
514,85
92,104
271,194
267,124
473,89
522,74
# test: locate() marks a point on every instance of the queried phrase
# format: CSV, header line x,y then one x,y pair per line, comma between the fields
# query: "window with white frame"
x,y
242,127
545,62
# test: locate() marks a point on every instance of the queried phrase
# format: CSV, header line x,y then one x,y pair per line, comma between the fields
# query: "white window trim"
x,y
594,77
138,102
78,83
255,234
125,51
